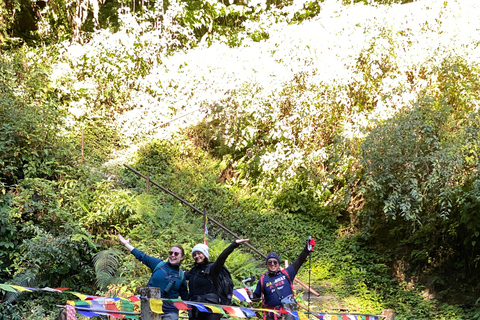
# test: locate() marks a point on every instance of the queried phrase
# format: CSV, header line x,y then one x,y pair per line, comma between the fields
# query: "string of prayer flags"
x,y
91,306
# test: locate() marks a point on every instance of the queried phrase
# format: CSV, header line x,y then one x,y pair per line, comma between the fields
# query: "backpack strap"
x,y
160,265
182,276
209,277
262,291
261,282
289,280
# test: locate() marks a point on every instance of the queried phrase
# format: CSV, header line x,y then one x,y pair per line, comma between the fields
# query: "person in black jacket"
x,y
204,287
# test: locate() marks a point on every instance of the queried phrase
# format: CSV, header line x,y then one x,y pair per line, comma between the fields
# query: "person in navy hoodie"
x,y
276,285
166,275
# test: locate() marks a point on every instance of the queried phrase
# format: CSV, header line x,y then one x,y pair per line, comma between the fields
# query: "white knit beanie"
x,y
201,248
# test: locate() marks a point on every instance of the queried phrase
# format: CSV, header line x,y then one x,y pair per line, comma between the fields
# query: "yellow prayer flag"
x,y
156,305
19,288
269,310
81,296
215,309
302,316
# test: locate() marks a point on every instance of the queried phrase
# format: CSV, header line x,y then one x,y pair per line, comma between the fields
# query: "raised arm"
x,y
304,254
218,265
147,260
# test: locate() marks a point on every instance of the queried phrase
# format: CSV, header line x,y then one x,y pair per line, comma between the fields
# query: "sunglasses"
x,y
173,253
272,262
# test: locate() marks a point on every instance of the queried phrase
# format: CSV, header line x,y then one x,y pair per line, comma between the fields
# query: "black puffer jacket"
x,y
200,287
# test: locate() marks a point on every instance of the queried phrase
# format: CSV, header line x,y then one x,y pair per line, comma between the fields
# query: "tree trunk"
x,y
145,295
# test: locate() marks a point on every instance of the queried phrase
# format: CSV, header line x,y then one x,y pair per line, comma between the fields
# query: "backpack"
x,y
225,284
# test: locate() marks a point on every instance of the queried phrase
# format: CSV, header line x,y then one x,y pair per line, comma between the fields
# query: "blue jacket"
x,y
161,278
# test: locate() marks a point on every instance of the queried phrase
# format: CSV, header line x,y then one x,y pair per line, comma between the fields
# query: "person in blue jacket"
x,y
166,275
276,285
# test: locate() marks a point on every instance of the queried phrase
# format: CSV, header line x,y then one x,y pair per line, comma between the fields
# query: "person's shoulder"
x,y
209,266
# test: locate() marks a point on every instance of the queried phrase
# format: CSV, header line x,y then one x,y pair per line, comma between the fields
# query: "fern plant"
x,y
106,263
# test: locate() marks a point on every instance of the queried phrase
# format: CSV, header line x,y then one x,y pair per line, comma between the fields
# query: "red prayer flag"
x,y
112,306
181,306
230,311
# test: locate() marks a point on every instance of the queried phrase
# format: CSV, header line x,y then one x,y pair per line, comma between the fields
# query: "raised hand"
x,y
310,243
126,242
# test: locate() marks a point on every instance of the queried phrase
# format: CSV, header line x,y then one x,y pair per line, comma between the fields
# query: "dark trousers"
x,y
205,316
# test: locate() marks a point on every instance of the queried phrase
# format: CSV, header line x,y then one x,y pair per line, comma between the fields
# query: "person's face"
x,y
198,257
175,256
272,265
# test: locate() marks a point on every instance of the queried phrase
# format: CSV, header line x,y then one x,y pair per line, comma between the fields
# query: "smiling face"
x,y
198,257
272,265
175,256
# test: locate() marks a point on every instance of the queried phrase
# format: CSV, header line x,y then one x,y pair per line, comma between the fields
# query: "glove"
x,y
310,244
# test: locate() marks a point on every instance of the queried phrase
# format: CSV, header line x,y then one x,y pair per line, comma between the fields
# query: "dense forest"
x,y
354,121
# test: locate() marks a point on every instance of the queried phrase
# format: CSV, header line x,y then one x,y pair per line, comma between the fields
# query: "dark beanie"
x,y
273,255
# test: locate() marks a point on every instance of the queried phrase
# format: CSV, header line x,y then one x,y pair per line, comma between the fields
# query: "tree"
x,y
420,176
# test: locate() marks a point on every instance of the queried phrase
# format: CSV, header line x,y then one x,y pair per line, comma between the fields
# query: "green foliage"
x,y
33,306
106,263
420,161
31,119
105,209
304,135
420,177
46,259
100,140
310,9
353,271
